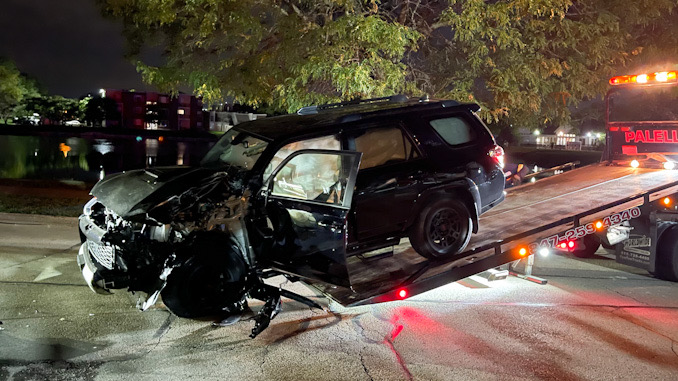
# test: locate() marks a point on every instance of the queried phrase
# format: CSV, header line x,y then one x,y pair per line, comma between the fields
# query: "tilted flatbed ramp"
x,y
529,214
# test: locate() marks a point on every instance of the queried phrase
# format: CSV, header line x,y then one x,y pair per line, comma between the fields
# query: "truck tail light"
x,y
402,293
497,153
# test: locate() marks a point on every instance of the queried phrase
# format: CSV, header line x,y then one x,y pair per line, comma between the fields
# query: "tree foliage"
x,y
525,60
15,88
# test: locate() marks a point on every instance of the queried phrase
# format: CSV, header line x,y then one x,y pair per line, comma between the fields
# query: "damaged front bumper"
x,y
89,270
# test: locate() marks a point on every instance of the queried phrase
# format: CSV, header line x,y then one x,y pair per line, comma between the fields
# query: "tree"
x,y
10,90
15,89
99,110
530,60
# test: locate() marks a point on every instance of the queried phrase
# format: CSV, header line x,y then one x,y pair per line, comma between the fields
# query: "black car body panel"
x,y
296,195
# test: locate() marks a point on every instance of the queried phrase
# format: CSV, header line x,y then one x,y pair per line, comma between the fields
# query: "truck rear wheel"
x,y
667,255
443,228
586,247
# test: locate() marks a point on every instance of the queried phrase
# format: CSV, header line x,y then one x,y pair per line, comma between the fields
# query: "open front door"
x,y
308,199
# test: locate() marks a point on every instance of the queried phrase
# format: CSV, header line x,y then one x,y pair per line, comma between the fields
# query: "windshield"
x,y
644,104
235,148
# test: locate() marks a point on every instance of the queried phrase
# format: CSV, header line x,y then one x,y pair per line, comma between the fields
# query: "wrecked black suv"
x,y
293,195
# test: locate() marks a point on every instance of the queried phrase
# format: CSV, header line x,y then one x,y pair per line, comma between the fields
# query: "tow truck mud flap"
x,y
637,250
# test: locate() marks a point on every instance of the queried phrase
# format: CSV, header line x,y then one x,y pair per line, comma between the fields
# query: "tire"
x,y
210,279
442,229
667,255
586,247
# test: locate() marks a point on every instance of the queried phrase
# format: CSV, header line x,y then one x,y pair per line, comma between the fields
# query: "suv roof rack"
x,y
308,110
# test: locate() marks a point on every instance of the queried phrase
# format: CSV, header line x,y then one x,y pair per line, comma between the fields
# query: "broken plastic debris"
x,y
230,320
62,319
91,314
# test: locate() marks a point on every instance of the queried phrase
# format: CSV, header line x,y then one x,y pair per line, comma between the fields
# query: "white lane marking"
x,y
48,272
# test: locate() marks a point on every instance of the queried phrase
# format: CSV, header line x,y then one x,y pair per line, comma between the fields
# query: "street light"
x,y
102,92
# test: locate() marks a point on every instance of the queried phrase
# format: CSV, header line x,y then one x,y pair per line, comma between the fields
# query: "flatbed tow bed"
x,y
530,214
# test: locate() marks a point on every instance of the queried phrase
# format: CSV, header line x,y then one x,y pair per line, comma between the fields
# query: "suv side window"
x,y
325,142
384,145
454,130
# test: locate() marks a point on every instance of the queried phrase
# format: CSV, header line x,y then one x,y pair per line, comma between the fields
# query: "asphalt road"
x,y
594,320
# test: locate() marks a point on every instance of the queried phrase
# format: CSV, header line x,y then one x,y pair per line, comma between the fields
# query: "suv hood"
x,y
132,193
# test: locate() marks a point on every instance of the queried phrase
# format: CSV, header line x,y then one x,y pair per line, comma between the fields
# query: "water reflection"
x,y
88,156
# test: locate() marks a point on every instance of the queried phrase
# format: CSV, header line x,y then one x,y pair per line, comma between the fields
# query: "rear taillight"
x,y
497,153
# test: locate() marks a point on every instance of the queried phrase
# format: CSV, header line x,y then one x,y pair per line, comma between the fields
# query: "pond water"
x,y
87,155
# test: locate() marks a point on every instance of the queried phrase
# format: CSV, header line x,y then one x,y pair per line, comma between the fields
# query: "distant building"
x,y
561,137
153,111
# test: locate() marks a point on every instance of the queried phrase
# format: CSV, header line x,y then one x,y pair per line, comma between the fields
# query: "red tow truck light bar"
x,y
647,78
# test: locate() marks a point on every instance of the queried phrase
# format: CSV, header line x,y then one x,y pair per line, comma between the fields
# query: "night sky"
x,y
66,45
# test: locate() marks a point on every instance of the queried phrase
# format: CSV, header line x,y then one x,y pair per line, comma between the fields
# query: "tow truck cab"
x,y
642,119
642,132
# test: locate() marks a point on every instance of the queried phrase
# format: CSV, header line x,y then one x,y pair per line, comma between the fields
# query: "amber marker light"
x,y
666,201
599,225
522,251
635,164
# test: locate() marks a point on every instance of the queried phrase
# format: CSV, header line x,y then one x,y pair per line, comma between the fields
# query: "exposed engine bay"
x,y
191,248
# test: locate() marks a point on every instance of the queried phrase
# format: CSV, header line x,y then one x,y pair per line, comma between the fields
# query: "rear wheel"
x,y
586,247
667,255
210,279
443,228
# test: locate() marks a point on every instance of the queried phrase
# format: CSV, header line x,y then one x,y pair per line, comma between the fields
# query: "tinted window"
x,y
383,146
454,130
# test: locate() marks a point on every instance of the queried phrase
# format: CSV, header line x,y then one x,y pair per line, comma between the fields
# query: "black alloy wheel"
x,y
443,228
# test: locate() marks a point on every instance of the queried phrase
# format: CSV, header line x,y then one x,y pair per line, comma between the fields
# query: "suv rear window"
x,y
454,131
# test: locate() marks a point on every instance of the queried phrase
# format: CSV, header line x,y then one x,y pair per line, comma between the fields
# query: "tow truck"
x,y
627,202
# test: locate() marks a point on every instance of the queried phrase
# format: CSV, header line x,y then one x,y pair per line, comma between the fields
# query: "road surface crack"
x,y
673,348
630,297
388,340
362,362
161,332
